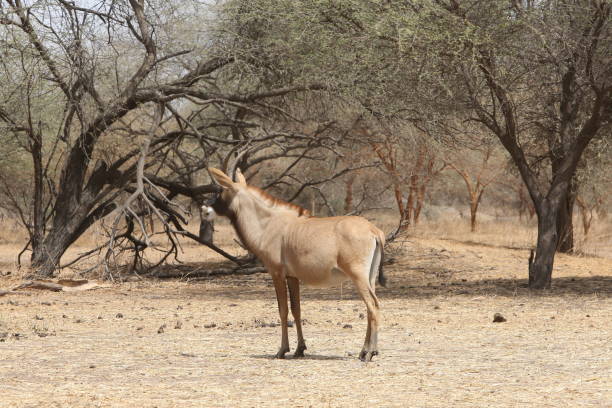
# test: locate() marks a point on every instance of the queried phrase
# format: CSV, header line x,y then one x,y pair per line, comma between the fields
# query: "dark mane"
x,y
275,202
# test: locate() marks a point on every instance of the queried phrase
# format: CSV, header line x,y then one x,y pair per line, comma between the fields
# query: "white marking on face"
x,y
208,213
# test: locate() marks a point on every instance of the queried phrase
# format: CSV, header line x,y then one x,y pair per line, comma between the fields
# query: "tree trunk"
x,y
473,210
565,225
46,257
407,214
419,203
586,223
524,204
541,265
476,198
207,230
38,202
586,214
412,204
532,211
67,228
403,223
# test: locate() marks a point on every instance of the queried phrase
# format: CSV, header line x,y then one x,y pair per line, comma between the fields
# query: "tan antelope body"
x,y
295,247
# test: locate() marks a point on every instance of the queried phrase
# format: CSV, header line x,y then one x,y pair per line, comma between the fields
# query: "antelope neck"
x,y
252,217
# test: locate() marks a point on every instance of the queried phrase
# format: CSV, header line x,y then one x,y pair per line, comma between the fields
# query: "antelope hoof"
x,y
299,352
366,356
281,353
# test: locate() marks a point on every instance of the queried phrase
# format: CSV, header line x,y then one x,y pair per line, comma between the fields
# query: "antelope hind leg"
x,y
370,346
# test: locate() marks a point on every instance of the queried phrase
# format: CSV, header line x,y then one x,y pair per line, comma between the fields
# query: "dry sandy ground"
x,y
439,346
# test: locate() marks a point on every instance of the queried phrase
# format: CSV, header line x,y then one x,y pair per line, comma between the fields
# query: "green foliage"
x,y
423,60
392,56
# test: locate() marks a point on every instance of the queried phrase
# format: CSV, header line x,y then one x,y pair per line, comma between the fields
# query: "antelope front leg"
x,y
281,296
294,297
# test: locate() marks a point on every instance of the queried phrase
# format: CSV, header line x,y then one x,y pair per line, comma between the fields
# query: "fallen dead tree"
x,y
61,285
189,272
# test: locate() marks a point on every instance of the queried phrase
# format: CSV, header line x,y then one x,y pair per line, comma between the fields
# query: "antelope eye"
x,y
211,201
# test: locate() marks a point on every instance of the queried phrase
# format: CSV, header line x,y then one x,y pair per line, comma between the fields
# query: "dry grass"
x,y
439,346
512,232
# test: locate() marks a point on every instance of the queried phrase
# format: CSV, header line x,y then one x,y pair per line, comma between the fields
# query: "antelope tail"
x,y
381,276
377,261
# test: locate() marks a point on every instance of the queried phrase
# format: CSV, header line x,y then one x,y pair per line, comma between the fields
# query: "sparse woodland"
x,y
111,112
474,135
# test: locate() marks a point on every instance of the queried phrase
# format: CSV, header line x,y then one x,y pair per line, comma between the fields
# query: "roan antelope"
x,y
295,247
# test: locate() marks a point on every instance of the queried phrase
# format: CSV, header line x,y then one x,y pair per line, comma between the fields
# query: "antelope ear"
x,y
221,178
240,177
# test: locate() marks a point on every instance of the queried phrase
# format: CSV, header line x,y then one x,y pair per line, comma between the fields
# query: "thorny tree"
x,y
412,166
541,84
77,85
476,176
534,74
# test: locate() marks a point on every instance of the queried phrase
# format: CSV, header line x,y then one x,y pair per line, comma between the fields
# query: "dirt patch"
x,y
439,345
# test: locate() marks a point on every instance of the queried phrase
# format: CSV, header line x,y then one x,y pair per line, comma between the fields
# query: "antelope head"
x,y
221,202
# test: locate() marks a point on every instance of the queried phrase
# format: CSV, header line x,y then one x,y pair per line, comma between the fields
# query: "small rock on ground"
x,y
498,318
